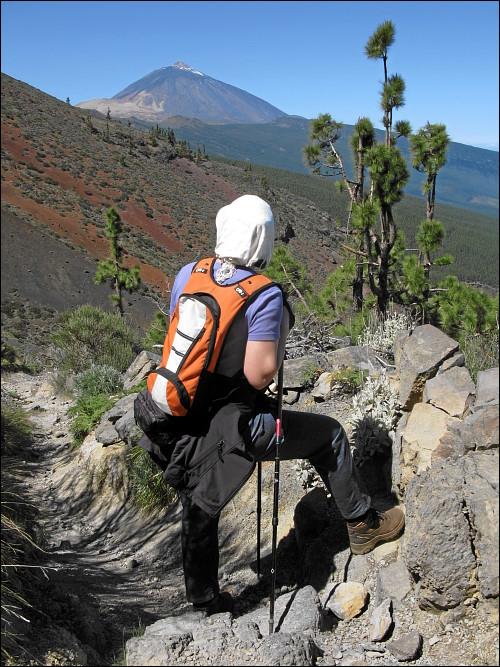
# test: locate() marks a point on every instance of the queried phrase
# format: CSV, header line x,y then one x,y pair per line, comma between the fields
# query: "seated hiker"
x,y
243,424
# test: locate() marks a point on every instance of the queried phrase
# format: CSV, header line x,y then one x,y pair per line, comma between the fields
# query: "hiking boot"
x,y
375,528
220,604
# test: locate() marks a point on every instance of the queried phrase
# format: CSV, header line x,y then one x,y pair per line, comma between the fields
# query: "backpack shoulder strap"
x,y
202,281
235,294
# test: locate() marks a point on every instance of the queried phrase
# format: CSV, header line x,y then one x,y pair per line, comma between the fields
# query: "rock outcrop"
x,y
443,467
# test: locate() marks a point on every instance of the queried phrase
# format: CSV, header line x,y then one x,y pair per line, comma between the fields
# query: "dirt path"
x,y
108,571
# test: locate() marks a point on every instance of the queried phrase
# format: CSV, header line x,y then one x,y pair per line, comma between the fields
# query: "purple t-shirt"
x,y
263,318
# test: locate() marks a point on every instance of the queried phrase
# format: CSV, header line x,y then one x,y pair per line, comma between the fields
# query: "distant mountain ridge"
x,y
232,123
180,90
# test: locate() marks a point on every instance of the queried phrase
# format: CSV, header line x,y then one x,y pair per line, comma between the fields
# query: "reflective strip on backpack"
x,y
159,394
192,318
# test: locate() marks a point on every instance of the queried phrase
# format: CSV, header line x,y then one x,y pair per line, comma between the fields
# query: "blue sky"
x,y
305,58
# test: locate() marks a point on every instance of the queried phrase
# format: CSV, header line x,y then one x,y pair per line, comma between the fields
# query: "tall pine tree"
x,y
112,268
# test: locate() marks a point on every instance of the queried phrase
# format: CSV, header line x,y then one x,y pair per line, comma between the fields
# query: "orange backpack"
x,y
195,338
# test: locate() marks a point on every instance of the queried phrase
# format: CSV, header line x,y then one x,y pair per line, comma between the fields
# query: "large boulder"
x,y
437,542
482,505
352,357
222,640
419,357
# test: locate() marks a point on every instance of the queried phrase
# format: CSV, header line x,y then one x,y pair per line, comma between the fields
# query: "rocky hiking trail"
x,y
111,572
95,594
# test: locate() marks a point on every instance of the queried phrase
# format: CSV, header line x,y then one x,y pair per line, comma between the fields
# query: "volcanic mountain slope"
x,y
62,169
180,90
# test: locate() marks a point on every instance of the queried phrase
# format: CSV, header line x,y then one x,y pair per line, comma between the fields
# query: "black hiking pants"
x,y
318,438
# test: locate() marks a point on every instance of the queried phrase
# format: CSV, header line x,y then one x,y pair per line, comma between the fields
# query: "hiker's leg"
x,y
323,441
200,552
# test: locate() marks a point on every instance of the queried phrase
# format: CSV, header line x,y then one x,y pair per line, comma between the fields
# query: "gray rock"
x,y
487,385
247,631
137,371
478,431
290,397
219,640
121,407
163,641
405,648
381,621
481,497
399,340
295,612
323,386
420,356
453,391
106,434
436,545
393,582
156,650
457,360
354,356
288,649
298,372
127,429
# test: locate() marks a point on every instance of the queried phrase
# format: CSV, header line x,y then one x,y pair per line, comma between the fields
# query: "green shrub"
x,y
9,357
157,331
16,430
97,380
12,360
376,411
480,351
148,488
90,336
87,412
461,309
348,381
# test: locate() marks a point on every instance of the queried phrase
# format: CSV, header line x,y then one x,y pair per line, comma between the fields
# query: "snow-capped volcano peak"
x,y
180,65
180,90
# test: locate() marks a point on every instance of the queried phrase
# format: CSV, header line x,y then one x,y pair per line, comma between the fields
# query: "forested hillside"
x,y
468,180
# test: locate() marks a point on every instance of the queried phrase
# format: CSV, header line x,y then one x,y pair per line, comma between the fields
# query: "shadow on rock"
x,y
305,556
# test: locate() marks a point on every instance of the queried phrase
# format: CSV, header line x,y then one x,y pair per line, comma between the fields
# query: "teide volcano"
x,y
180,90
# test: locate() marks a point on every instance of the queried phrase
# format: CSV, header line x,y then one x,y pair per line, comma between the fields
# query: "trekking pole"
x,y
279,440
259,512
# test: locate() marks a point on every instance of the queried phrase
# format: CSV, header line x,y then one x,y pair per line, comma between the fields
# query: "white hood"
x,y
245,232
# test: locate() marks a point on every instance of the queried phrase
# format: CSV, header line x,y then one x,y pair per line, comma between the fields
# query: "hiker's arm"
x,y
260,362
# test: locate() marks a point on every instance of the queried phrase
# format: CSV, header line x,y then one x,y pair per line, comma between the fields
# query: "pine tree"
x,y
112,269
428,149
88,122
388,173
108,118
